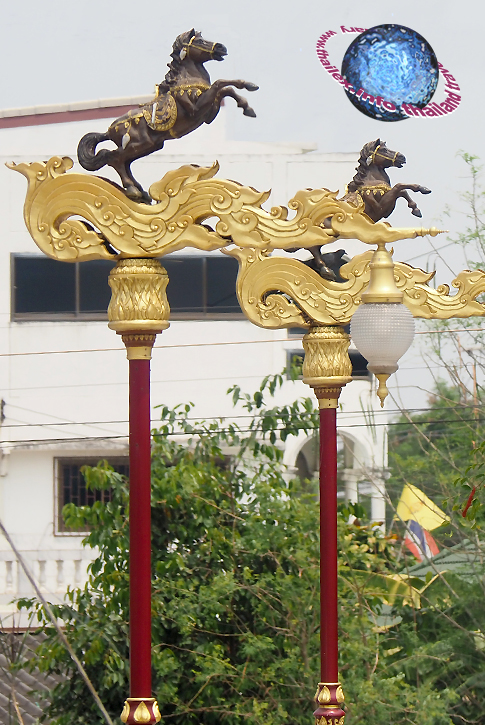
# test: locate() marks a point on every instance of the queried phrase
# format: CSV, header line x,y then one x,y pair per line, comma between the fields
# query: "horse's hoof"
x,y
416,212
327,273
133,193
251,87
249,112
425,190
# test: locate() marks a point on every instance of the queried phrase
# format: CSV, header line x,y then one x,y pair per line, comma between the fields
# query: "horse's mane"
x,y
174,65
363,167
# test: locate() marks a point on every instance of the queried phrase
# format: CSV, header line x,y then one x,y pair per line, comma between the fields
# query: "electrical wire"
x,y
212,344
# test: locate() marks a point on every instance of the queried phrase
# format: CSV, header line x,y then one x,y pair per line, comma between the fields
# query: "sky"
x,y
65,51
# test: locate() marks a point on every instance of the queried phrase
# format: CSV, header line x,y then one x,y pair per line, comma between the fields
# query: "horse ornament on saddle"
x,y
183,101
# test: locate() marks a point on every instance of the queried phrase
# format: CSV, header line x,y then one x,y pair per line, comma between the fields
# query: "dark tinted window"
x,y
44,285
94,290
221,284
185,287
197,286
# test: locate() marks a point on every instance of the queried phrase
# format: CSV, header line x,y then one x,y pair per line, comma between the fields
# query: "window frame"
x,y
60,529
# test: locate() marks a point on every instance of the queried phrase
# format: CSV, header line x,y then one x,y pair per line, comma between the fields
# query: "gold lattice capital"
x,y
327,367
138,297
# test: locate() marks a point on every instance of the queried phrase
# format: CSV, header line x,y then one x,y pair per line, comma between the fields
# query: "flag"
x,y
420,542
414,505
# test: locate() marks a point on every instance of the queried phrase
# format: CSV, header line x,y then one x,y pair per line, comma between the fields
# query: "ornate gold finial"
x,y
382,391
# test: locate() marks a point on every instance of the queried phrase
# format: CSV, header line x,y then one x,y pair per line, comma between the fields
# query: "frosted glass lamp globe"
x,y
382,333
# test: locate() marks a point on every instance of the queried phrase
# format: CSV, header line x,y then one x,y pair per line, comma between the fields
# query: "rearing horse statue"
x,y
372,186
183,102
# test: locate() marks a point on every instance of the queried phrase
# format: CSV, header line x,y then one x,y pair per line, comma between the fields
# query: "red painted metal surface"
x,y
140,530
328,546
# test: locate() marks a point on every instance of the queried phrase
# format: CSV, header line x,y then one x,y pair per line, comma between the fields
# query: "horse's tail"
x,y
86,151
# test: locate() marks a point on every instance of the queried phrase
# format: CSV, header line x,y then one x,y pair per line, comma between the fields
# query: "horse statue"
x,y
183,102
372,187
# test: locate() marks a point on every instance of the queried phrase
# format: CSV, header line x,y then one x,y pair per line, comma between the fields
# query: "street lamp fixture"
x,y
382,327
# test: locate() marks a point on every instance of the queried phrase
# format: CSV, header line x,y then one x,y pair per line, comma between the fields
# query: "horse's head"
x,y
193,46
376,152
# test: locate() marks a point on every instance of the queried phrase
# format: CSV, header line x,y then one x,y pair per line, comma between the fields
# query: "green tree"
x,y
235,589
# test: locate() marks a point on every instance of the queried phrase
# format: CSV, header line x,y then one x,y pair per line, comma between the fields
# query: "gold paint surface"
x,y
324,696
278,292
142,714
138,296
125,712
184,199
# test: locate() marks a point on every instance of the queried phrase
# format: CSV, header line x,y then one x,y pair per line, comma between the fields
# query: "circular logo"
x,y
393,65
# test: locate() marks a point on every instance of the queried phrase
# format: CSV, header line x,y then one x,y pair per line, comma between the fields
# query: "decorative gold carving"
x,y
339,694
138,300
142,714
160,114
424,301
324,696
330,720
138,347
185,198
263,282
277,292
126,711
140,711
327,367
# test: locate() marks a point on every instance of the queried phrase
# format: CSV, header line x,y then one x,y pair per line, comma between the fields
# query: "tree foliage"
x,y
235,577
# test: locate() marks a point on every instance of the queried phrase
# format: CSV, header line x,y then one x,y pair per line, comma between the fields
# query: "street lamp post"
x,y
77,217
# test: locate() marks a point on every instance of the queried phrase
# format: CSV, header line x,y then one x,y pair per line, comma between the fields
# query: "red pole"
x,y
140,530
328,546
329,697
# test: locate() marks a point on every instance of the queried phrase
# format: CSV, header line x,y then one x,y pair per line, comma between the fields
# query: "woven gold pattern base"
x,y
327,367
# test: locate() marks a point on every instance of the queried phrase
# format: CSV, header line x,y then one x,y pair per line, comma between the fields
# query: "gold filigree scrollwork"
x,y
111,224
277,292
425,301
264,281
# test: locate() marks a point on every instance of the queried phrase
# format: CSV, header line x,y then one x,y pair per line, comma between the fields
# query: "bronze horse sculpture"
x,y
183,102
372,187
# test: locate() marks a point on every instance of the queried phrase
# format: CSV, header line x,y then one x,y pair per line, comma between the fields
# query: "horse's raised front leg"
x,y
239,84
401,189
411,204
212,98
240,100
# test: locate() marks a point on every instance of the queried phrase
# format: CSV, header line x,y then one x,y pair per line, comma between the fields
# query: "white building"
x,y
64,374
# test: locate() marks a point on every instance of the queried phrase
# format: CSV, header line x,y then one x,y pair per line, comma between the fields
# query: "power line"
x,y
44,441
213,344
